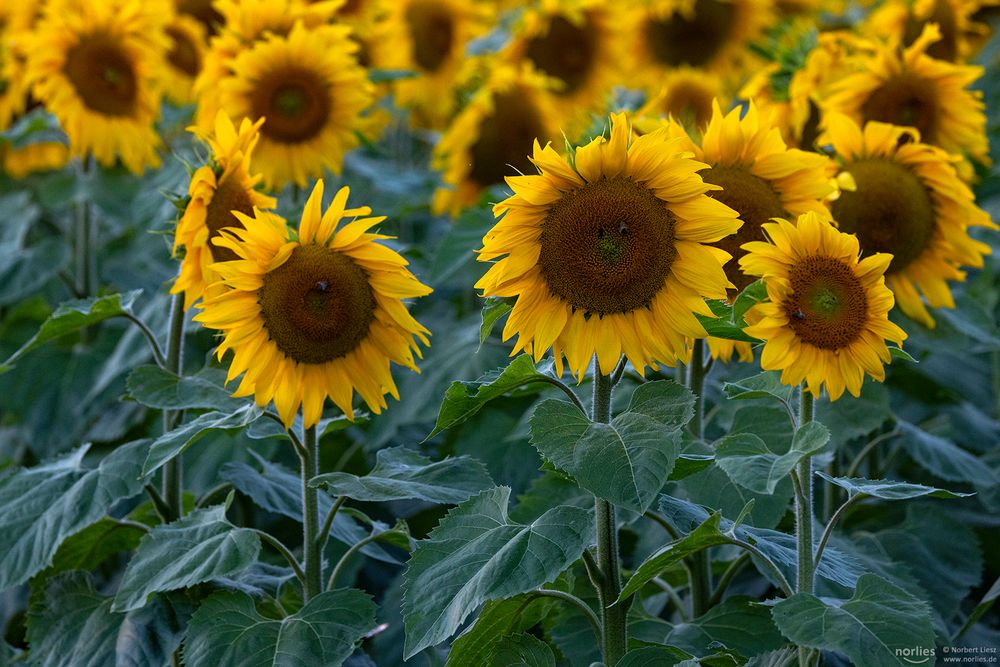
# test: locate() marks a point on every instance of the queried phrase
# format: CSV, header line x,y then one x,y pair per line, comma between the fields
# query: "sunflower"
x,y
904,21
311,92
608,254
916,90
907,199
760,178
428,37
217,189
581,44
492,137
826,321
204,12
185,57
33,158
95,66
686,95
314,315
14,20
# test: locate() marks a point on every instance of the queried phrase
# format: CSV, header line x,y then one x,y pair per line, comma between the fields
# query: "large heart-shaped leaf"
x,y
158,388
750,463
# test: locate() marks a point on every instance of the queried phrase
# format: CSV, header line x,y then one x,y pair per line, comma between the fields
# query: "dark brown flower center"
x,y
691,40
317,306
828,307
944,15
228,197
295,102
607,247
183,53
689,103
567,52
756,202
891,211
204,11
432,31
905,99
505,139
102,74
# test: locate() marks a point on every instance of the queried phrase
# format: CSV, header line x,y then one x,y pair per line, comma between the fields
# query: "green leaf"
x,y
654,656
749,463
887,489
401,473
712,487
277,489
199,547
42,506
521,650
228,630
464,399
157,388
944,458
752,294
95,544
627,461
739,623
723,326
762,385
984,606
497,619
493,309
30,268
875,628
899,353
73,316
689,464
478,554
74,625
173,444
708,534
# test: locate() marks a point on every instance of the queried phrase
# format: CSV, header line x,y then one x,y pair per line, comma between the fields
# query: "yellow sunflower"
x,y
760,178
916,90
608,253
15,19
906,199
95,65
217,189
493,136
188,43
310,90
686,95
581,44
428,38
826,319
903,21
204,12
314,315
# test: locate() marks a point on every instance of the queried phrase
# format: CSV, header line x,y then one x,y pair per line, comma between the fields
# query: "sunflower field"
x,y
495,333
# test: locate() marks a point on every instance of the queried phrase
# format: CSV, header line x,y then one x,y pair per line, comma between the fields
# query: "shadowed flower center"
x,y
905,99
567,52
103,75
317,306
432,31
607,248
756,202
295,103
204,11
690,103
828,307
183,54
693,39
228,197
891,211
505,139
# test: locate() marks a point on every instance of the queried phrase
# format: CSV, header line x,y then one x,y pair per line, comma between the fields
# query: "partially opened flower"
x,y
315,313
608,253
217,189
906,199
826,321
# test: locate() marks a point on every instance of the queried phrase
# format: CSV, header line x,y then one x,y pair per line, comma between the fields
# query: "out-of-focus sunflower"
x,y
33,158
826,321
217,189
905,198
581,44
609,253
686,96
428,38
760,178
493,136
902,21
310,90
203,11
15,19
96,66
314,315
913,89
188,43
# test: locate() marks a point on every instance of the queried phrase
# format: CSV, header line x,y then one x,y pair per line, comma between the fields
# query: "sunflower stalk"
x,y
701,563
312,552
613,625
85,240
173,471
804,516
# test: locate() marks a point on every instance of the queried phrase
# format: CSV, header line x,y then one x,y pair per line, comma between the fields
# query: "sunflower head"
x,y
826,321
315,314
607,253
184,59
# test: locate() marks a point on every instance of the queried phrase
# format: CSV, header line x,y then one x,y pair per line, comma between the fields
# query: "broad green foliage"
x,y
748,461
157,388
738,623
521,651
173,444
498,619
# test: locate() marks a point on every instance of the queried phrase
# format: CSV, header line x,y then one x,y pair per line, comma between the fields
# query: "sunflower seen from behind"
x,y
826,320
96,67
608,252
217,189
314,313
905,198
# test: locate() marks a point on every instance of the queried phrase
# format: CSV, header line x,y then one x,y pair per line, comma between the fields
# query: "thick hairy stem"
x,y
701,562
173,481
312,554
804,516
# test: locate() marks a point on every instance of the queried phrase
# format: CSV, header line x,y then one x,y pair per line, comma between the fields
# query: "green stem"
x,y
581,606
173,470
701,562
828,531
613,625
324,534
310,518
85,259
727,577
804,515
355,548
283,550
696,383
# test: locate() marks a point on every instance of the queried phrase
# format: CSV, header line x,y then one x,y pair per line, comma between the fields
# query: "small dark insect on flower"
x,y
799,315
322,285
622,228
